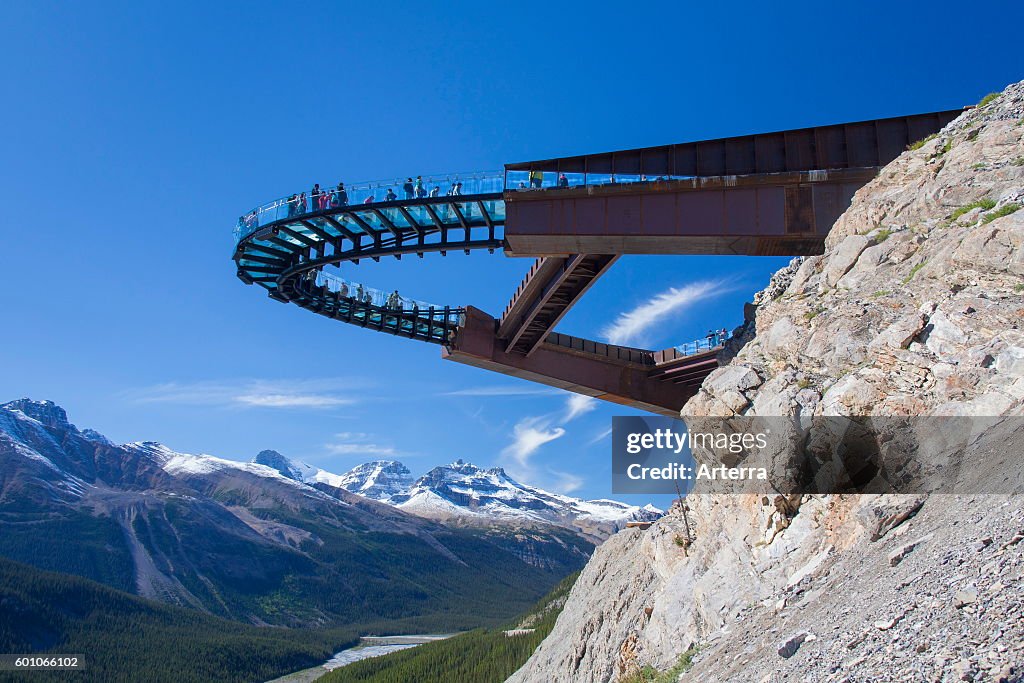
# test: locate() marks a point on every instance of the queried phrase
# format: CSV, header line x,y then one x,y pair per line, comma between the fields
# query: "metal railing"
x,y
714,338
543,180
369,296
321,198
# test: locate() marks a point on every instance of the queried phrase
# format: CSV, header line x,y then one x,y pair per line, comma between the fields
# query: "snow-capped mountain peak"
x,y
463,490
382,480
292,469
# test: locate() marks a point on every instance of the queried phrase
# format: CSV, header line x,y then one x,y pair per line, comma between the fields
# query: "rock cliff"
x,y
914,309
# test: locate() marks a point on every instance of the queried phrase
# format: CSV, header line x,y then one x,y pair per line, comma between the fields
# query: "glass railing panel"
x,y
469,210
254,249
421,215
396,217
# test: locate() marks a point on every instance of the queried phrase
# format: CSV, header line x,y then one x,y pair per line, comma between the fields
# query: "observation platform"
x,y
767,194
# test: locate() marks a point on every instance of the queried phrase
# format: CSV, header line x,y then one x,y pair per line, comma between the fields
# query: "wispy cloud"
x,y
600,436
566,482
633,326
577,405
360,449
360,443
250,393
291,401
507,390
528,435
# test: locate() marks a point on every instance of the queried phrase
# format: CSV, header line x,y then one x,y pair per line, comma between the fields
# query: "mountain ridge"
x,y
465,493
244,541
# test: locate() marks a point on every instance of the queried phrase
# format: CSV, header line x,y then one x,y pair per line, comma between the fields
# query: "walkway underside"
x,y
658,382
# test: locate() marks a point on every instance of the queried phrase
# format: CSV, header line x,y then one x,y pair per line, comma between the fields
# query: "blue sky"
x,y
134,135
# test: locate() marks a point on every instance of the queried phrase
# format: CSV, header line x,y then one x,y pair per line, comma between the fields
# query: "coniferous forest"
x,y
479,656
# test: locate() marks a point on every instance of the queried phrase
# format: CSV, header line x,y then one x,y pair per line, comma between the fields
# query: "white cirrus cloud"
x,y
600,436
528,435
250,393
566,482
577,405
631,327
361,449
291,401
500,390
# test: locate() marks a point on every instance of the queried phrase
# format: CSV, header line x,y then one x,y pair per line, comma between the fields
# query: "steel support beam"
x,y
607,372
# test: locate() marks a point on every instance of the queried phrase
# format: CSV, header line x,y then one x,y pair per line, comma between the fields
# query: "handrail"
x,y
477,182
375,297
713,340
370,193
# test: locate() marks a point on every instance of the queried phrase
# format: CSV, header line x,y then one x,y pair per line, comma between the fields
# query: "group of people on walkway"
x,y
536,179
318,199
717,337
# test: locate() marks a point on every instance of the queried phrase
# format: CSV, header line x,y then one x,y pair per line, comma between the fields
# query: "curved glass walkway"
x,y
284,245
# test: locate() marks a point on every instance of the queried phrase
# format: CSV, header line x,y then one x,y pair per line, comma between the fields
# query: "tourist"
x,y
301,204
343,292
342,195
436,191
457,189
562,180
390,196
536,179
368,200
421,192
314,197
408,189
359,293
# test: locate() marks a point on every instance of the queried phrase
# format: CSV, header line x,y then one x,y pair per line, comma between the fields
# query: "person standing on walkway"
x,y
536,179
342,195
407,188
314,197
562,180
390,196
421,192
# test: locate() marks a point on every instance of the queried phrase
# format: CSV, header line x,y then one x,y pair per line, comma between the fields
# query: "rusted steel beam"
x,y
603,371
780,214
545,305
844,145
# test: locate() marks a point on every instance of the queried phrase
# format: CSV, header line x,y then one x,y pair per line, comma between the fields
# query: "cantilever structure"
x,y
766,194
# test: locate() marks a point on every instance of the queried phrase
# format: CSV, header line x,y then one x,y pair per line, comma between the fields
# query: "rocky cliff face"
x,y
915,309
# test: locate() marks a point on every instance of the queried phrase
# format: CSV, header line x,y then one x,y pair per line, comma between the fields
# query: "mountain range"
x,y
276,541
465,494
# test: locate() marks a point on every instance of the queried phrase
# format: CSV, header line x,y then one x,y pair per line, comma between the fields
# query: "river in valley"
x,y
369,646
